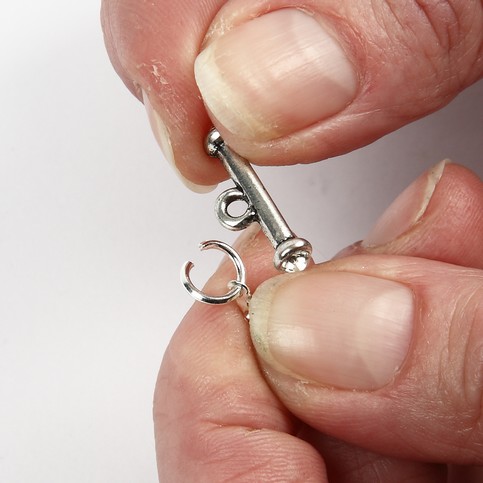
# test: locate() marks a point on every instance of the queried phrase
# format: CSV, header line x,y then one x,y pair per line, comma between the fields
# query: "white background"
x,y
94,228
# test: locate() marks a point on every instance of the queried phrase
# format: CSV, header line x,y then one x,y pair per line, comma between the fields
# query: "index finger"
x,y
215,417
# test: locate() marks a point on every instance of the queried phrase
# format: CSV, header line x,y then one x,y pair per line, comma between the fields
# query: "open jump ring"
x,y
238,285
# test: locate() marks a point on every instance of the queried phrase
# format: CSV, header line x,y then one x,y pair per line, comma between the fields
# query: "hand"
x,y
289,87
367,368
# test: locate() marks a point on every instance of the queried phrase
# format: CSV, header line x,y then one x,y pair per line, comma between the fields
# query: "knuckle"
x,y
443,18
448,33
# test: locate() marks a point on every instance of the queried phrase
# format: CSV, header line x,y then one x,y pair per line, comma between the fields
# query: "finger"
x,y
152,46
435,383
438,217
347,463
208,365
289,83
383,352
215,417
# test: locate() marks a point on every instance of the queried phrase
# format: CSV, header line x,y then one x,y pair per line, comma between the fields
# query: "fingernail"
x,y
407,209
341,329
161,135
275,75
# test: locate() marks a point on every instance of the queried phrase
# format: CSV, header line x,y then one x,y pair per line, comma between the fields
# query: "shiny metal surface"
x,y
292,254
237,286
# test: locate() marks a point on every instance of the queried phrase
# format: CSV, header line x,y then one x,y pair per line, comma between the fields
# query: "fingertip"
x,y
355,335
283,73
154,57
407,209
438,217
163,138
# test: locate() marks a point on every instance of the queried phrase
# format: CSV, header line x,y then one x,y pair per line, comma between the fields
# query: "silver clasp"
x,y
292,254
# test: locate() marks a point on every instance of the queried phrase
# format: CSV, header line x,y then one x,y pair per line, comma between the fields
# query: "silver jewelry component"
x,y
292,254
235,286
244,306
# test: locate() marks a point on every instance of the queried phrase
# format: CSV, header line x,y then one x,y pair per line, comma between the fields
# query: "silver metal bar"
x,y
291,253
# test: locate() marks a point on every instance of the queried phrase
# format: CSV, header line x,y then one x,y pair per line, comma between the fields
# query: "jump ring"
x,y
239,284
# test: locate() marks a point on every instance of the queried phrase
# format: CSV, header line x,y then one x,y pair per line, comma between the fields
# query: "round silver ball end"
x,y
293,255
213,142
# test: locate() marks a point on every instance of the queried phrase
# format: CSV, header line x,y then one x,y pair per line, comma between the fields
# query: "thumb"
x,y
289,82
358,69
384,350
380,351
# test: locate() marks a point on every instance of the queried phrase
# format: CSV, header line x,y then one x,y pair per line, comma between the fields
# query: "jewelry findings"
x,y
292,254
235,285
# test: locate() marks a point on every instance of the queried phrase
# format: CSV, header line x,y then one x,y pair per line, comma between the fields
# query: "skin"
x,y
222,411
222,417
411,58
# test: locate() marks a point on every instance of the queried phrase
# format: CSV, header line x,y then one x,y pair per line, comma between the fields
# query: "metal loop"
x,y
244,307
239,284
242,286
222,205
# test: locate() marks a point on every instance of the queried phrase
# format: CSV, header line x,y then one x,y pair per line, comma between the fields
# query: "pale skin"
x,y
229,406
